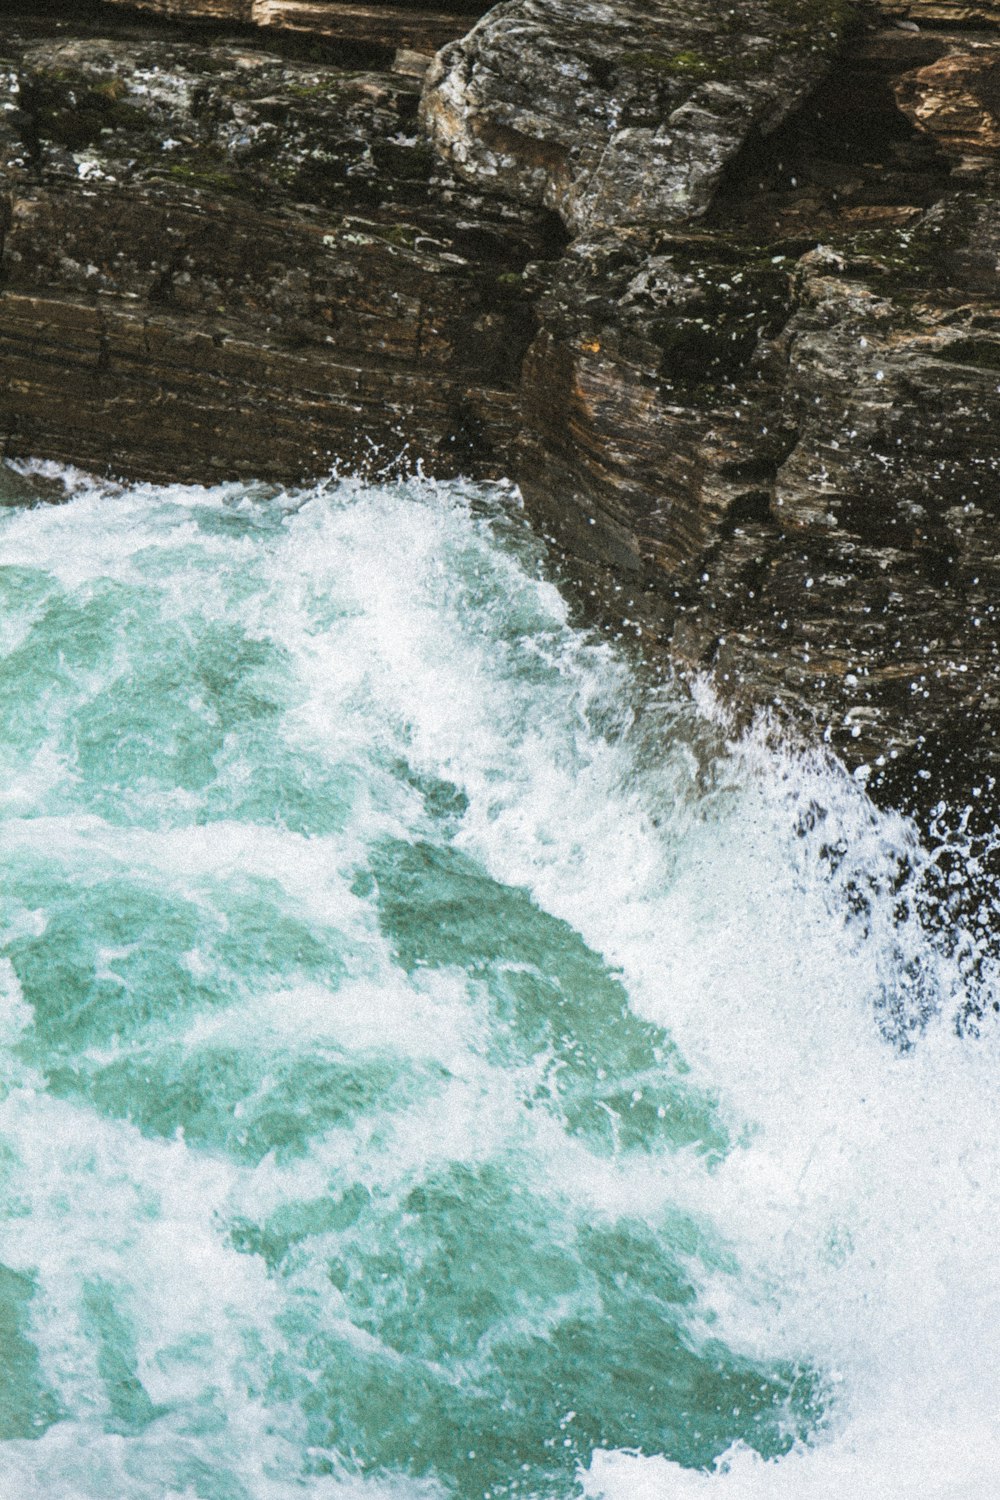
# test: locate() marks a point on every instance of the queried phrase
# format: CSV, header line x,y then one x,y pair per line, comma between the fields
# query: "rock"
x,y
621,113
219,261
720,289
772,462
239,11
377,25
950,13
877,595
956,99
389,26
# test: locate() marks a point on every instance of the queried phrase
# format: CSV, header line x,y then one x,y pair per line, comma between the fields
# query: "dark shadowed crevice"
x,y
847,160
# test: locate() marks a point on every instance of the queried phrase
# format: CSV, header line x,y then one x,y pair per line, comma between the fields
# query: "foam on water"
x,y
432,1064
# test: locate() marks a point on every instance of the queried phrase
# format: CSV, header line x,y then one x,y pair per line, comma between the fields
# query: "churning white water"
x,y
435,1063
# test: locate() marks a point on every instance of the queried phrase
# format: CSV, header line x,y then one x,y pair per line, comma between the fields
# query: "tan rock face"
x,y
957,100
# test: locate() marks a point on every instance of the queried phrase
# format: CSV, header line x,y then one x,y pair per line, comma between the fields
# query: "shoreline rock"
x,y
218,261
719,290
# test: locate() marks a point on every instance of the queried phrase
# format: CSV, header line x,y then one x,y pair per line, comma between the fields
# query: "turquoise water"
x,y
415,1058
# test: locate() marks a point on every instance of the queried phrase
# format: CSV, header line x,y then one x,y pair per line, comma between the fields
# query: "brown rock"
x,y
775,461
956,13
384,26
249,251
389,26
197,10
956,99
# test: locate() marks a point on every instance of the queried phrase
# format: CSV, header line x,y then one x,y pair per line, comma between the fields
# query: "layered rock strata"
x,y
719,287
759,410
376,25
217,261
622,114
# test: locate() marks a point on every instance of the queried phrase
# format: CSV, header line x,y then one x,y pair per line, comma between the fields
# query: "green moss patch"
x,y
675,64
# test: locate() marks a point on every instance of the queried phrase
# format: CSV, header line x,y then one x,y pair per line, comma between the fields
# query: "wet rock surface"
x,y
763,432
718,287
219,260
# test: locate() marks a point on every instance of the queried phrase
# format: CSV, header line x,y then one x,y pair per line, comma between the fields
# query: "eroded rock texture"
x,y
625,112
376,24
218,261
760,423
717,285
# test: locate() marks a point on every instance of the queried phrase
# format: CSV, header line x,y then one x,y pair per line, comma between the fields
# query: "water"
x,y
435,1064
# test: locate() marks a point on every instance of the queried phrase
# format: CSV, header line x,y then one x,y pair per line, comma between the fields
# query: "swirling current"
x,y
437,1062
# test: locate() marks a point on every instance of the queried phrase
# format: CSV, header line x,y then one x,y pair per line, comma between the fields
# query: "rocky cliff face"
x,y
626,113
717,286
220,260
758,408
386,25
